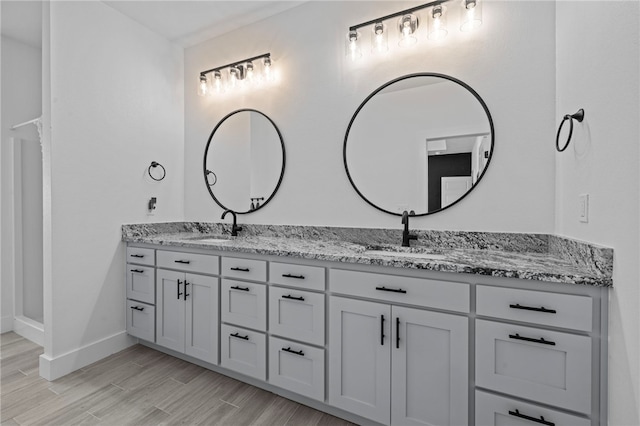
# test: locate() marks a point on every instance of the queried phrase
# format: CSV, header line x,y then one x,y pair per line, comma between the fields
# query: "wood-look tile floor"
x,y
138,386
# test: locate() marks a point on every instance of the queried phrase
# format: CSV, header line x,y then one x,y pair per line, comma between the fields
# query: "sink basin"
x,y
428,256
212,239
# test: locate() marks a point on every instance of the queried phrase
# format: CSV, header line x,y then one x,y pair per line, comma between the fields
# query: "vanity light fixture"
x,y
408,24
240,74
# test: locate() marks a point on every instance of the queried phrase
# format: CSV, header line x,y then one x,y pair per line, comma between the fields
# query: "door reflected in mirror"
x,y
421,142
244,161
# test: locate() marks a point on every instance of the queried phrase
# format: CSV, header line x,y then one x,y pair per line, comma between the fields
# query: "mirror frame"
x,y
206,151
404,77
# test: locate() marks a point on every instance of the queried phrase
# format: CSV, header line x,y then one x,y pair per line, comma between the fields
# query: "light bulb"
x,y
437,23
217,81
471,15
407,26
268,72
249,72
233,77
379,36
202,85
352,48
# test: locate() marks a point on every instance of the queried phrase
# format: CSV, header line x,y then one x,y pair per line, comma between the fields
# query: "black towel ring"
x,y
578,116
155,164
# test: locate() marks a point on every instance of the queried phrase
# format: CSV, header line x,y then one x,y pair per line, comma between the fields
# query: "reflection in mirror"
x,y
420,142
244,161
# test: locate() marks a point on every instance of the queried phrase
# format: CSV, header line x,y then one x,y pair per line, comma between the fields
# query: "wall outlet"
x,y
151,206
583,208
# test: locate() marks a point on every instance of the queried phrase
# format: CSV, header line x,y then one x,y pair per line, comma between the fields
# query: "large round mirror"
x,y
421,142
244,161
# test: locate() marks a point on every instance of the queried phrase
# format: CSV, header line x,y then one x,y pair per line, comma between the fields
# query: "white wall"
x,y
116,105
21,101
320,90
598,55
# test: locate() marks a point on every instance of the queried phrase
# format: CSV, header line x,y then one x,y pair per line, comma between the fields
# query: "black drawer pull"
x,y
238,336
137,255
186,262
235,287
397,332
532,419
529,339
382,330
288,296
240,269
138,271
395,290
186,283
137,308
179,293
299,277
530,308
292,351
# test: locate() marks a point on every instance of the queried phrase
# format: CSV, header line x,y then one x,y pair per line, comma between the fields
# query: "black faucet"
x,y
234,228
406,236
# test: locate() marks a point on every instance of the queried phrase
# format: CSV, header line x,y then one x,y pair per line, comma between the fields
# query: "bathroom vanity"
x,y
408,336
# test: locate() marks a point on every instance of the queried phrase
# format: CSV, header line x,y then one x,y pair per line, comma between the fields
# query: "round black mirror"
x,y
420,142
244,161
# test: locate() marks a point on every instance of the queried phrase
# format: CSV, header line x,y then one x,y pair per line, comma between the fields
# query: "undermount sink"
x,y
211,239
429,256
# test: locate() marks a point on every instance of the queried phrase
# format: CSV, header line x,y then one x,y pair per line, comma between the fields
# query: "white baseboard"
x,y
56,367
6,324
29,329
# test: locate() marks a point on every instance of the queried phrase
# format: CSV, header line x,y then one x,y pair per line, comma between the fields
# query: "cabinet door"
x,y
429,370
170,309
360,358
297,314
244,304
141,320
141,284
244,351
201,295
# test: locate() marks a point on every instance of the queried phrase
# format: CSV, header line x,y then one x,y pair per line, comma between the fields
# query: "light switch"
x,y
583,208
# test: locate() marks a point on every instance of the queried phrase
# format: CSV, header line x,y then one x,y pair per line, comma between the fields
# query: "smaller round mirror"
x,y
244,161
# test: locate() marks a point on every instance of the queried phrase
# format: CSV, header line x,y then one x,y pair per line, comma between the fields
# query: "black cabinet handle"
x,y
137,255
288,296
531,308
382,330
137,308
238,336
235,287
179,293
395,290
240,269
299,277
540,420
397,332
186,262
292,351
186,283
529,339
138,271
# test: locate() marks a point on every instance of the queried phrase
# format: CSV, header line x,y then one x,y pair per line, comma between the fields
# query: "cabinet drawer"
x,y
301,276
141,283
190,262
493,410
246,269
542,365
297,314
141,256
244,351
553,309
244,304
451,296
296,367
141,320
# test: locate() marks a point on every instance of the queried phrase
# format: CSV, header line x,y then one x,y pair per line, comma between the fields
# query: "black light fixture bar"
x,y
233,64
395,15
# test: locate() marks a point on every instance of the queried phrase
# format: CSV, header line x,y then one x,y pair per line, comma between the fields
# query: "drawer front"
x,y
301,276
297,314
141,256
542,365
493,410
557,310
244,304
141,283
246,269
243,351
190,262
296,367
141,320
451,296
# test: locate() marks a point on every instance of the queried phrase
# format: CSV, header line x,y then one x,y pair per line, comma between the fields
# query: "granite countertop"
x,y
538,257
